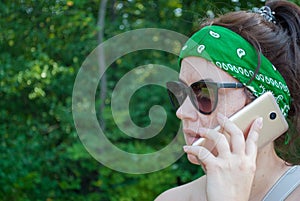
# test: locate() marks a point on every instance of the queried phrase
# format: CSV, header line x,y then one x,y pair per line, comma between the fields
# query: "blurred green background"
x,y
43,44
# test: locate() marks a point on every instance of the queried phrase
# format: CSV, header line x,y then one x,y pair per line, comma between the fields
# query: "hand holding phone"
x,y
265,106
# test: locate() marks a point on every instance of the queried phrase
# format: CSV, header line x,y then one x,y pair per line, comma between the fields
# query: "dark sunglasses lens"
x,y
204,96
176,93
173,100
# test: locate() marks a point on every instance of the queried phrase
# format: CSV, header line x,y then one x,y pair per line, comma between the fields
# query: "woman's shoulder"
x,y
287,186
194,190
295,195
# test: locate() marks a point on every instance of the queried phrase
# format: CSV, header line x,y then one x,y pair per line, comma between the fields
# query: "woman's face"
x,y
230,100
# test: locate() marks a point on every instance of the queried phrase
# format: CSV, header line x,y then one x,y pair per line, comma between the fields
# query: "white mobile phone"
x,y
265,106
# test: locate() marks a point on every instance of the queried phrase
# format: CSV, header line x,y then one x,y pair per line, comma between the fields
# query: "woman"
x,y
249,48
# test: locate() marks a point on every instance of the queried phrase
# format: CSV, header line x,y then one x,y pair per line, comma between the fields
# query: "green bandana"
x,y
233,54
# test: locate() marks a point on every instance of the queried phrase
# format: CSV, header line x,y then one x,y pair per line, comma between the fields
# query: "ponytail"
x,y
287,17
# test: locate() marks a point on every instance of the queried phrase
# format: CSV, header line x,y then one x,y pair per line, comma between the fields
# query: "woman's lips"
x,y
195,139
191,136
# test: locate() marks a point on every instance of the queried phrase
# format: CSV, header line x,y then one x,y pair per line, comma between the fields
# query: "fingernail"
x,y
259,122
202,130
185,148
221,119
221,116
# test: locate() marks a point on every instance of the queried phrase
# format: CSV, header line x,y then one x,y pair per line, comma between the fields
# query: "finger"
x,y
203,166
201,153
218,140
237,139
251,142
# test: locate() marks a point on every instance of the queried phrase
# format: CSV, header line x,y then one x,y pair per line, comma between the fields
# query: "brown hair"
x,y
280,43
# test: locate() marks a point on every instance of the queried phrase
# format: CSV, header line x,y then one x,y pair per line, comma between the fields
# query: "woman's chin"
x,y
193,159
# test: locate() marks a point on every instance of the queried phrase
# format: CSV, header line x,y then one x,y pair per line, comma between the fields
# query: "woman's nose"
x,y
187,111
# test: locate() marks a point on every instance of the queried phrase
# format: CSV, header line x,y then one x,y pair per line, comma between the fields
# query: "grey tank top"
x,y
285,185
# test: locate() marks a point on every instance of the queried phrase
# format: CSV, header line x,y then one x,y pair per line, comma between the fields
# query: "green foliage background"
x,y
43,44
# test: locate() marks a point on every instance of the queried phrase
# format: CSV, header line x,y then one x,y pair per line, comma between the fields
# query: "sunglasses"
x,y
203,94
